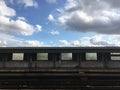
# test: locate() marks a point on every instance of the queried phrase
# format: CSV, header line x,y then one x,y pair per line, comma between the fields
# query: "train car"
x,y
60,68
60,57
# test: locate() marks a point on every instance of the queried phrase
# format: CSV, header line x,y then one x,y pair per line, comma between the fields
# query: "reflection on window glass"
x,y
91,56
66,56
17,56
42,56
115,53
115,57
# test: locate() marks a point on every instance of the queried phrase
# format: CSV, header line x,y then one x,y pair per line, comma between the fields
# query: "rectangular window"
x,y
18,56
115,53
42,56
66,56
115,56
91,56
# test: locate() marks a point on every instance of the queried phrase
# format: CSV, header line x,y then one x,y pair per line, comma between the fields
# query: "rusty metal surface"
x,y
59,70
60,81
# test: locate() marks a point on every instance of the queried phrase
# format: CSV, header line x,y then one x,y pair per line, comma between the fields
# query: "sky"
x,y
54,23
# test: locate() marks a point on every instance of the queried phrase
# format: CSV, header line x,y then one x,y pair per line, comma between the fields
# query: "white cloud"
x,y
54,32
3,43
9,28
75,43
85,41
6,11
22,18
39,27
59,10
28,3
99,16
64,42
96,40
20,26
99,40
33,43
15,27
51,1
9,40
51,18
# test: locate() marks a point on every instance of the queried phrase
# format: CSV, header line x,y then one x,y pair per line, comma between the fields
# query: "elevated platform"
x,y
60,68
60,79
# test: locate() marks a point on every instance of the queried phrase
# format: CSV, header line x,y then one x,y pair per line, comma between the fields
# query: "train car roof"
x,y
81,47
61,48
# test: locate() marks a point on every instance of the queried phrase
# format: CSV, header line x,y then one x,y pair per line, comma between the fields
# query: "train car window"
x,y
66,56
18,56
115,53
115,56
91,56
42,56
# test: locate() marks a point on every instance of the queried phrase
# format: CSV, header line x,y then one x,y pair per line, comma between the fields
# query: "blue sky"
x,y
59,23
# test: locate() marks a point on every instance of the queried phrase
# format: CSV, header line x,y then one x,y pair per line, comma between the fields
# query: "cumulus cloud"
x,y
22,18
39,27
10,28
64,42
99,40
33,43
5,10
54,32
12,41
99,16
26,3
51,18
96,40
51,1
75,43
20,26
3,43
16,27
